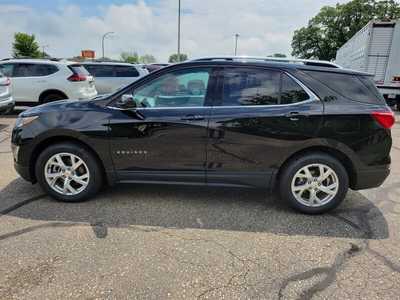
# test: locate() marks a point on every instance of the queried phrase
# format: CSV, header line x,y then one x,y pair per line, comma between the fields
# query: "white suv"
x,y
6,101
42,81
111,76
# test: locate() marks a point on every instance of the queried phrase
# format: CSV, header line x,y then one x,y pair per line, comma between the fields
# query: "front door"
x,y
260,118
164,139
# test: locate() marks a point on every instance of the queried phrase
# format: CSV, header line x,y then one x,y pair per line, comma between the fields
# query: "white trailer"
x,y
375,49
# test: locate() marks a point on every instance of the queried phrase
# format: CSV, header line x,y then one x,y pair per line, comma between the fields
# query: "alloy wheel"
x,y
315,185
67,174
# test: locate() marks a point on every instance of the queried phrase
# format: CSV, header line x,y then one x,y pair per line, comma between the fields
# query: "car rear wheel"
x,y
68,172
314,184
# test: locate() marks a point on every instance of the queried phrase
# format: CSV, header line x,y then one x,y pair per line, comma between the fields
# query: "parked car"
x,y
40,81
154,67
312,132
111,76
6,100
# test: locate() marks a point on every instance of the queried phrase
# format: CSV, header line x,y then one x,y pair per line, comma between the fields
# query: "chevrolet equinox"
x,y
311,130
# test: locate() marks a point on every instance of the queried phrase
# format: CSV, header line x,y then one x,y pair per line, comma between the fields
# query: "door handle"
x,y
295,115
192,118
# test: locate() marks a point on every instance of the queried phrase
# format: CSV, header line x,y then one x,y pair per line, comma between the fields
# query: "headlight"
x,y
23,121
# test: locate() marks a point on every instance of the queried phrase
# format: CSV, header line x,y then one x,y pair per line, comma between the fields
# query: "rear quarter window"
x,y
354,87
79,69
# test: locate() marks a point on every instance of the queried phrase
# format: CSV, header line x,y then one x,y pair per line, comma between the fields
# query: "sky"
x,y
150,26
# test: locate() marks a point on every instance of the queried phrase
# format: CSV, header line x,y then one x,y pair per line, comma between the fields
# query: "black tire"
x,y
53,97
8,111
94,169
290,170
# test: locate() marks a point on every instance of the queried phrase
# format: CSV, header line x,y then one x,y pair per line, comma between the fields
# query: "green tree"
x,y
147,59
278,55
25,45
130,57
334,26
174,58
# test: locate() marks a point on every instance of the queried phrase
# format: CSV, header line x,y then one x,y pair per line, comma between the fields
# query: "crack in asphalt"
x,y
387,262
341,259
329,272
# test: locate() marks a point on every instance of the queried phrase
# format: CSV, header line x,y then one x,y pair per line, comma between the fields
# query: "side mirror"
x,y
127,102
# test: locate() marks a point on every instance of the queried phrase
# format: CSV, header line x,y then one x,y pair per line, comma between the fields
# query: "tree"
x,y
334,26
174,58
278,55
130,57
147,59
25,45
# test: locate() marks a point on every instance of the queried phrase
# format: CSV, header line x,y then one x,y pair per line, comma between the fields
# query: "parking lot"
x,y
167,242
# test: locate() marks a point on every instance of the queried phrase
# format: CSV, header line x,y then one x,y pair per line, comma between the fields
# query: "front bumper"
x,y
371,177
24,172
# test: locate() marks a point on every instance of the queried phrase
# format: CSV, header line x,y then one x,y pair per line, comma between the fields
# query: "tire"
x,y
294,178
52,97
48,163
8,111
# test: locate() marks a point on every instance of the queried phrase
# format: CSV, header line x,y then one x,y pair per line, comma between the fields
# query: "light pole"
x,y
179,30
102,41
236,42
43,52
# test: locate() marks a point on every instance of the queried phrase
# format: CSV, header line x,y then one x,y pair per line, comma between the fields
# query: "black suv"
x,y
310,130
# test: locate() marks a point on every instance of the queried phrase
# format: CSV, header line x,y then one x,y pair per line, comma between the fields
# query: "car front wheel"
x,y
314,184
68,172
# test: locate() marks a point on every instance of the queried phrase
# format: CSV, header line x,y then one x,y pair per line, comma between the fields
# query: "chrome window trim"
x,y
312,98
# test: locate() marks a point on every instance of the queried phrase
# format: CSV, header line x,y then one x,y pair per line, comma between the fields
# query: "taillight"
x,y
6,83
77,77
385,119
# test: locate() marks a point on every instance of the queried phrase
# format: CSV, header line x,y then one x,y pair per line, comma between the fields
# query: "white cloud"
x,y
208,27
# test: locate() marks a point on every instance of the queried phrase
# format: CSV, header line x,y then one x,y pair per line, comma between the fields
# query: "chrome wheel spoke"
x,y
58,161
82,180
330,190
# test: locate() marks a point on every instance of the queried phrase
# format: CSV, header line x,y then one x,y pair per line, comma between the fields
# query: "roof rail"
x,y
308,62
33,58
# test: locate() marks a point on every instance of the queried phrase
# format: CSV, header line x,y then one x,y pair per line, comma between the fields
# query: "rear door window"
x,y
249,87
291,91
246,86
45,70
350,86
125,71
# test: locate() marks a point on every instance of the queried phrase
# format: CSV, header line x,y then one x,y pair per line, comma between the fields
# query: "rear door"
x,y
164,139
260,117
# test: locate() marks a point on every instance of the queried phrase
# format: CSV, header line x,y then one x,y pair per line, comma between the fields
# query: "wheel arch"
x,y
57,140
339,155
49,92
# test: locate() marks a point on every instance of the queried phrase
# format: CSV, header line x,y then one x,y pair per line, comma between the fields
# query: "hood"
x,y
61,105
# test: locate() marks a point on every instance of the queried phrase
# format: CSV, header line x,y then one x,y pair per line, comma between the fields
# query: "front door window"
x,y
184,88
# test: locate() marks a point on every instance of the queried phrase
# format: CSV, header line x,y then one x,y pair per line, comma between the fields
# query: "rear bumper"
x,y
371,178
6,103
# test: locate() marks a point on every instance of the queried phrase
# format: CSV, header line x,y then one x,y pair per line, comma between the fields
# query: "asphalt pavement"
x,y
167,242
